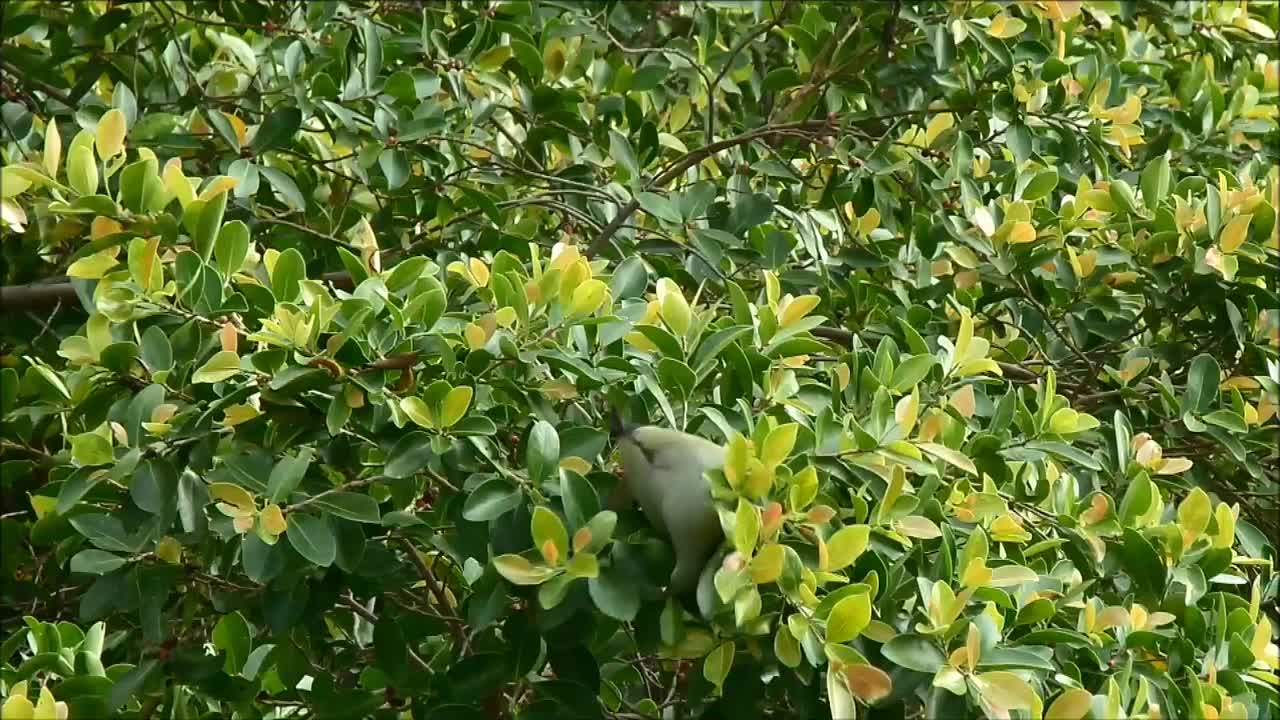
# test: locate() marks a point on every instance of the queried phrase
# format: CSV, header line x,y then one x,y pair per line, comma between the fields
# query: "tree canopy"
x,y
313,312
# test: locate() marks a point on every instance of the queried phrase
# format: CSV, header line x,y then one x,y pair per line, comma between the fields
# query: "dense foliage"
x,y
981,297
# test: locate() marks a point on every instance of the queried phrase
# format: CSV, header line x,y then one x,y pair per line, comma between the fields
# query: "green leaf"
x,y
952,457
615,593
659,207
1202,384
1155,183
1122,195
580,500
90,449
277,129
911,372
287,275
1044,182
82,171
543,452
372,52
1143,563
312,538
208,225
349,505
284,185
286,475
231,636
231,248
96,562
395,166
621,152
718,664
746,528
223,365
914,652
410,454
1227,420
629,279
492,499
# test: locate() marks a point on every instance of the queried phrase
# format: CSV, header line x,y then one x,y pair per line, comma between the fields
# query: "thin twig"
x,y
437,591
368,616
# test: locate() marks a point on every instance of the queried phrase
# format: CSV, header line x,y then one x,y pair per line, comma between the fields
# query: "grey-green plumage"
x,y
663,471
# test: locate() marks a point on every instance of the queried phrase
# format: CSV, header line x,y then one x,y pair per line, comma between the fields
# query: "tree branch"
x,y
817,128
437,591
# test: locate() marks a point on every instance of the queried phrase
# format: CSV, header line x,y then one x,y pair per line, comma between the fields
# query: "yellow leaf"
x,y
906,411
766,566
475,335
1235,232
848,618
1003,691
938,125
237,414
587,298
1127,113
1061,10
417,411
220,184
640,341
972,647
162,413
1004,27
109,135
1070,705
273,520
176,183
576,464
918,526
1174,466
796,309
455,405
479,272
843,375
1226,535
169,550
673,307
82,169
1193,515
778,445
679,115
871,220
844,547
965,337
52,149
233,495
1022,232
94,266
977,574
228,337
18,707
103,226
